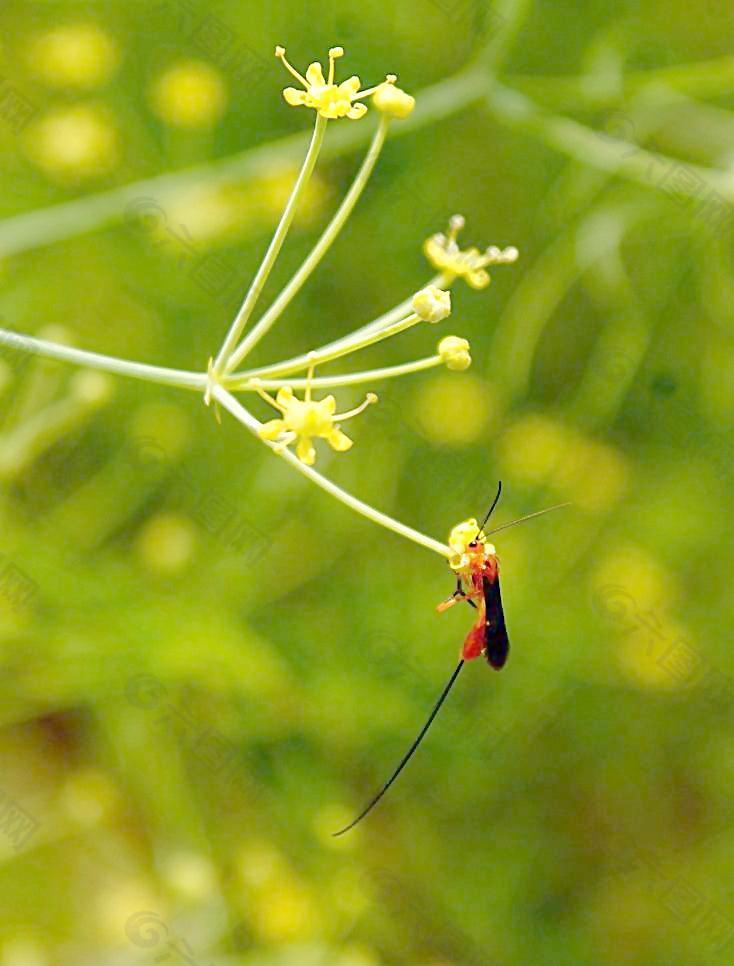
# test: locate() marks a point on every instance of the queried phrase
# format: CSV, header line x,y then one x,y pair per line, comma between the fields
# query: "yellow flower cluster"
x,y
333,100
303,420
443,252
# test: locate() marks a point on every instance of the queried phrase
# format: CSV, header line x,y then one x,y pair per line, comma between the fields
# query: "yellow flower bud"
x,y
454,353
432,304
393,102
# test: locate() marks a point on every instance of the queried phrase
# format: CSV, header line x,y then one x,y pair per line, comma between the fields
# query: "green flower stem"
x,y
319,358
94,360
333,382
364,509
598,150
36,434
317,253
261,276
702,79
351,342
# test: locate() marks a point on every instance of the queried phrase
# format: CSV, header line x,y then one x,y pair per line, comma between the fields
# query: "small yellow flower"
x,y
432,304
329,99
443,252
190,94
392,101
307,419
454,352
460,537
80,55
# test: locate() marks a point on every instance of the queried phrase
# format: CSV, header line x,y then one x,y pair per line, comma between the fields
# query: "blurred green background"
x,y
207,664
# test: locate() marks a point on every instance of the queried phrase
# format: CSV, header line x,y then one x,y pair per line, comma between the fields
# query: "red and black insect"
x,y
478,583
479,571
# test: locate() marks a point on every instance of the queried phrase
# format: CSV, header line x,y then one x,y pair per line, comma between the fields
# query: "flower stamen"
x,y
280,54
369,400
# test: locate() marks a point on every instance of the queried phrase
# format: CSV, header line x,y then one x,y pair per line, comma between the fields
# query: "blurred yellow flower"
x,y
189,874
323,95
537,449
661,658
74,142
73,55
118,906
213,213
88,796
259,863
190,94
453,411
283,911
166,543
641,581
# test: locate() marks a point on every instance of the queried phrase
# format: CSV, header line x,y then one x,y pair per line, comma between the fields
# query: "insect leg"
x,y
458,594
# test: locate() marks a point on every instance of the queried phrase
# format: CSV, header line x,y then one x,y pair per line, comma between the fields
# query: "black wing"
x,y
497,644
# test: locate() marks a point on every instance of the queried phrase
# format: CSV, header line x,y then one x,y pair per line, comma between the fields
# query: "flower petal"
x,y
305,451
356,111
315,75
272,429
350,86
478,278
284,397
329,405
339,441
294,97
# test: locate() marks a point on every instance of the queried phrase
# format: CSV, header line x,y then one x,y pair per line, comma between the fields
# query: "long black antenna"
x,y
529,516
494,504
409,754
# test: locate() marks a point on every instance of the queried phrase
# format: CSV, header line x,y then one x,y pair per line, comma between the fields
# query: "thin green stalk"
x,y
319,358
94,360
505,21
317,253
350,342
36,434
276,244
333,382
364,509
708,78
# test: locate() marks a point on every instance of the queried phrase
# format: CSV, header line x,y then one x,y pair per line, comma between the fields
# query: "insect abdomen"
x,y
496,641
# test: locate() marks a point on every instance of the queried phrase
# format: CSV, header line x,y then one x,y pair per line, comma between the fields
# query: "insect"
x,y
476,566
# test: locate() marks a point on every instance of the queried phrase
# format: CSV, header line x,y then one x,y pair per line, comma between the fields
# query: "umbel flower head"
x,y
307,419
336,100
443,252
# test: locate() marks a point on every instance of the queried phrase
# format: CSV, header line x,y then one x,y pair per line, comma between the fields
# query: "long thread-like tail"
x,y
409,754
